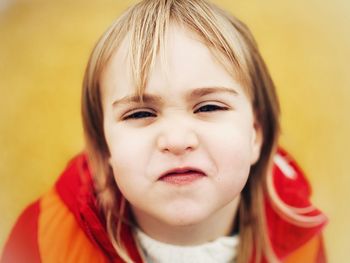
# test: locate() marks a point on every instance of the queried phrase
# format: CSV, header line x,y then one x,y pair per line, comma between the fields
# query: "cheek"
x,y
128,159
126,147
233,173
233,164
231,142
128,175
231,152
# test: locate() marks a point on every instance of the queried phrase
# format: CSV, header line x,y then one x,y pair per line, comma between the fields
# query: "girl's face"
x,y
196,118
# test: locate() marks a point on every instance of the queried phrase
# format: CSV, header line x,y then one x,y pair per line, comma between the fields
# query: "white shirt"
x,y
221,250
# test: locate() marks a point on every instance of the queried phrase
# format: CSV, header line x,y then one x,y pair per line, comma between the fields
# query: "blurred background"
x,y
44,47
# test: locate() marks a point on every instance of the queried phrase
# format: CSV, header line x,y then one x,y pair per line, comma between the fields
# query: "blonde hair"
x,y
146,24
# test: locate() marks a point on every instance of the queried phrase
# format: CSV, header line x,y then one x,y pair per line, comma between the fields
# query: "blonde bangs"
x,y
145,28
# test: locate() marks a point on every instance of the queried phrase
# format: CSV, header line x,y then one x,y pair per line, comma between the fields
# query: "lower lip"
x,y
182,179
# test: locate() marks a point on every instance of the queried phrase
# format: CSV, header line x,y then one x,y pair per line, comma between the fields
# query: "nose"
x,y
177,138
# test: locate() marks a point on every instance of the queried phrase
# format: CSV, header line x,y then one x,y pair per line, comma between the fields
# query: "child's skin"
x,y
222,140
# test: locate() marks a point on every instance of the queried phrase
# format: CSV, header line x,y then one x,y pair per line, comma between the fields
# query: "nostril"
x,y
178,142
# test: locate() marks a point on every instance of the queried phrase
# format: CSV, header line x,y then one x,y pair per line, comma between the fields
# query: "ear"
x,y
256,142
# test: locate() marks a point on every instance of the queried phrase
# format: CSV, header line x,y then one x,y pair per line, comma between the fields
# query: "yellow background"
x,y
44,47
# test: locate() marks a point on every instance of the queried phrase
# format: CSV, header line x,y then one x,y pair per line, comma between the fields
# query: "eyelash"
x,y
212,106
136,115
141,114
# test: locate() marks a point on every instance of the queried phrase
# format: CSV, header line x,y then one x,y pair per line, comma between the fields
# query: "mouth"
x,y
182,176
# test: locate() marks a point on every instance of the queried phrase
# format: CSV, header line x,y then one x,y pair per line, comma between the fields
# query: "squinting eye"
x,y
210,107
140,115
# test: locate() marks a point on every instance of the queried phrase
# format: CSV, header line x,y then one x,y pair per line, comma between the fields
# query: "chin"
x,y
185,217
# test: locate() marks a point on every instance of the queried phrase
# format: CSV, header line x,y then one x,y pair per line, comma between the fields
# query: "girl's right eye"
x,y
139,115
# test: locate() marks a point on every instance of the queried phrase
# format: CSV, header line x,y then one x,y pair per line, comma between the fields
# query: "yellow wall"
x,y
44,46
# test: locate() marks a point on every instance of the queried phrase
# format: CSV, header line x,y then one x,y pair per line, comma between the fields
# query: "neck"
x,y
216,225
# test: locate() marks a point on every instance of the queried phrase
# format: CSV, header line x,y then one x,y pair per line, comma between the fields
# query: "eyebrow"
x,y
200,92
156,99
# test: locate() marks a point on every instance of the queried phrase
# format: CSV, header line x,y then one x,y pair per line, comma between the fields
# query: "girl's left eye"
x,y
140,115
209,108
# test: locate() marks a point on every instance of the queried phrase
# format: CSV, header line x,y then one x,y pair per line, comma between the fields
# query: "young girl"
x,y
181,163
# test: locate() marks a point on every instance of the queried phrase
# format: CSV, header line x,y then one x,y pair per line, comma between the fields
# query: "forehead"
x,y
186,62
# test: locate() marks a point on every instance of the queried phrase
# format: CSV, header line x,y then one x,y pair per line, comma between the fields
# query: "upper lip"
x,y
182,170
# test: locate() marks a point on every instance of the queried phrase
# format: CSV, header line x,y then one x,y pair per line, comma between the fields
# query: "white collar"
x,y
221,250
